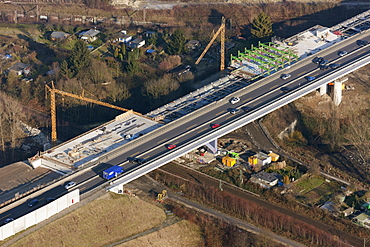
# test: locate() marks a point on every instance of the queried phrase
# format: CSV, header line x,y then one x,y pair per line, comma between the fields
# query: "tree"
x,y
177,42
153,39
163,86
261,26
79,59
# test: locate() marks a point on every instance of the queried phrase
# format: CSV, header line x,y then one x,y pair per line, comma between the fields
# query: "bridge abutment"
x,y
212,146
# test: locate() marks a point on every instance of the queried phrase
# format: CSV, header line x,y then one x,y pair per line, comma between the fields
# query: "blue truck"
x,y
112,172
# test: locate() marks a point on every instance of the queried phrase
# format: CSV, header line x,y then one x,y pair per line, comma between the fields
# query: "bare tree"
x,y
162,86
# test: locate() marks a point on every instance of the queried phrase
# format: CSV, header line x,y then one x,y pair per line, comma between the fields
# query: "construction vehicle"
x,y
220,31
162,196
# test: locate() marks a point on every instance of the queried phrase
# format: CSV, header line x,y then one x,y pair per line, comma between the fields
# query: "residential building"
x,y
89,35
20,68
136,43
265,179
56,35
122,37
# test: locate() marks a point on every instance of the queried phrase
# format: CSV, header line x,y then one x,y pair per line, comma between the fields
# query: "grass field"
x,y
109,219
184,234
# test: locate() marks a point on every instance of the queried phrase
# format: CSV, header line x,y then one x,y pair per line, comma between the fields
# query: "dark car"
x,y
317,59
310,78
323,67
362,42
50,199
8,220
334,65
33,202
323,62
247,108
286,89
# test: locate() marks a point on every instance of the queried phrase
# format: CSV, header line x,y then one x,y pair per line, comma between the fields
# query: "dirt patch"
x,y
183,234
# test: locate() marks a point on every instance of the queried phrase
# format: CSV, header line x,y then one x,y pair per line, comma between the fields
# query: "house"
x,y
265,179
263,158
136,43
59,35
122,37
330,206
193,45
19,68
363,219
89,35
348,211
148,34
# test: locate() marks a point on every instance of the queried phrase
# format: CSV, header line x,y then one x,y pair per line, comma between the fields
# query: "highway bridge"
x,y
193,130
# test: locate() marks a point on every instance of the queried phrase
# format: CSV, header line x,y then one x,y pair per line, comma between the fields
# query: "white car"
x,y
285,76
234,111
69,185
234,100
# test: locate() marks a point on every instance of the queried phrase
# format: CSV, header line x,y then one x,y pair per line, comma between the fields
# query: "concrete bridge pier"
x,y
337,97
212,146
323,89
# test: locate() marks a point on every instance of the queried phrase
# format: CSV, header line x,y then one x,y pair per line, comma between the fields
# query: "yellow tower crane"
x,y
53,110
220,31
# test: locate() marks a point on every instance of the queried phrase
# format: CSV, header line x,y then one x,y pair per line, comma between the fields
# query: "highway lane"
x,y
193,128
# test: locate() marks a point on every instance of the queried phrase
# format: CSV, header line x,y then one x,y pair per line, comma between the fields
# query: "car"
x,y
234,111
323,67
6,221
214,126
69,185
49,199
171,146
334,65
247,108
140,161
285,76
286,89
310,78
234,100
323,62
317,59
362,42
342,53
33,202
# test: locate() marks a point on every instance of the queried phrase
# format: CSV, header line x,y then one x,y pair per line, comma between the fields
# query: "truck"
x,y
112,172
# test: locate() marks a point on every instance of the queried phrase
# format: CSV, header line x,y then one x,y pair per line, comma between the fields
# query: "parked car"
x,y
285,76
310,78
342,53
286,89
6,221
317,59
33,202
334,65
214,126
171,146
234,111
234,100
70,185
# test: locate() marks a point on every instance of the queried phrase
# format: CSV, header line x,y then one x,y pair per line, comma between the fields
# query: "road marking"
x,y
202,130
176,143
135,153
165,139
191,126
6,216
219,113
229,116
274,87
83,188
247,100
147,157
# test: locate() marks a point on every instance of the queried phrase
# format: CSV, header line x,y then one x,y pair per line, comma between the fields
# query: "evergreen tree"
x,y
116,51
153,39
64,70
261,26
79,59
176,45
123,50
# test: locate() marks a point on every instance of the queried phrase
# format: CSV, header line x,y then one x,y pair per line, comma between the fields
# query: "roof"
x,y
59,35
123,36
137,40
19,66
91,33
268,177
362,217
150,51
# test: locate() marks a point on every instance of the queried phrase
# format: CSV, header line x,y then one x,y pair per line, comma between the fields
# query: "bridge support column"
x,y
337,97
212,146
323,89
